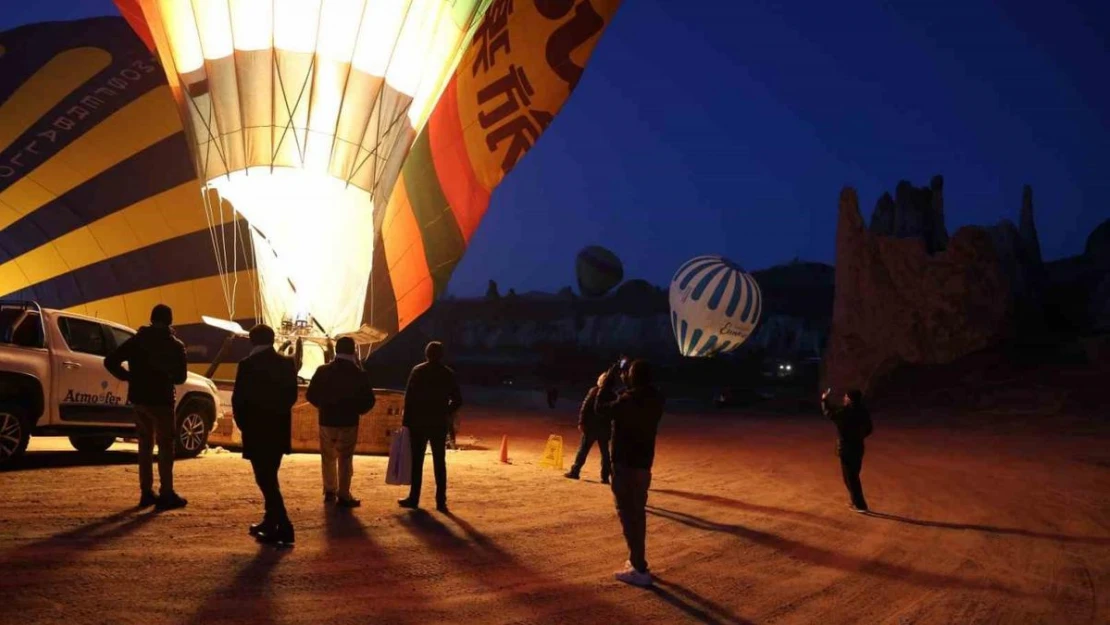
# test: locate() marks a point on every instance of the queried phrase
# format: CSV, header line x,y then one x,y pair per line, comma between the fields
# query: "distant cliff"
x,y
633,318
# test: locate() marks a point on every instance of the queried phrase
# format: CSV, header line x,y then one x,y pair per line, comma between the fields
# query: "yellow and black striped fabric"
x,y
101,211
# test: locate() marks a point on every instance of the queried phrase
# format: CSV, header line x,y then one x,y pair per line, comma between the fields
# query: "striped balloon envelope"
x,y
362,139
100,207
715,306
124,159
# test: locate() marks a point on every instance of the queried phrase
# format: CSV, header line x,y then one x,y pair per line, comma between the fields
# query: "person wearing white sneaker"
x,y
635,414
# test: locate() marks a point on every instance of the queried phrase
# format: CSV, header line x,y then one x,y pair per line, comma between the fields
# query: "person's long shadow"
x,y
694,605
349,545
685,600
970,527
28,564
743,505
478,555
772,511
248,598
832,559
349,548
343,529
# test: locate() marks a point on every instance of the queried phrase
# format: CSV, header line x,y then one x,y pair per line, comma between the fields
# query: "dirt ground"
x,y
1004,522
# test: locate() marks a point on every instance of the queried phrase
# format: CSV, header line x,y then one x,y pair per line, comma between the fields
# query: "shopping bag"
x,y
399,470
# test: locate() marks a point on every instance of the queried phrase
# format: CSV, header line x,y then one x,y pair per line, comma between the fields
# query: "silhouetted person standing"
x,y
155,364
594,428
342,393
431,399
265,391
635,413
853,424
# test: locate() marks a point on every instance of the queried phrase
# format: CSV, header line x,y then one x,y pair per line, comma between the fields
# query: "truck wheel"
x,y
14,435
193,419
92,444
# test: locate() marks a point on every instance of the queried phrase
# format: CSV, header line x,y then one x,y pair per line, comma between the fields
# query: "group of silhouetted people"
x,y
620,414
263,399
628,420
262,402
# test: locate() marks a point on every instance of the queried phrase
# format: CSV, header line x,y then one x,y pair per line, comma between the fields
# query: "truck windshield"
x,y
20,327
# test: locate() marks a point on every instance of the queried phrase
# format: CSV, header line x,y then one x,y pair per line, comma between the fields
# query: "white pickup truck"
x,y
53,383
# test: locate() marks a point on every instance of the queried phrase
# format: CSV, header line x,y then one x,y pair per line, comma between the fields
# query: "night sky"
x,y
730,129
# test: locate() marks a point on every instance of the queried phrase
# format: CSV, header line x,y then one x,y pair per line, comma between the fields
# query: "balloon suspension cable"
x,y
212,234
290,111
234,259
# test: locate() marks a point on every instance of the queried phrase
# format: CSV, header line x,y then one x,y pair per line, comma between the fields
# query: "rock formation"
x,y
913,213
903,299
1019,249
939,234
1099,305
882,219
1097,256
1097,250
1028,227
1025,275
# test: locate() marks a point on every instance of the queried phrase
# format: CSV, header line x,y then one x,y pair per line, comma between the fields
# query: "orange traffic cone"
x,y
505,449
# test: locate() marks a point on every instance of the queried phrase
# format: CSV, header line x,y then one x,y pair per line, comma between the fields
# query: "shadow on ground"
x,y
833,559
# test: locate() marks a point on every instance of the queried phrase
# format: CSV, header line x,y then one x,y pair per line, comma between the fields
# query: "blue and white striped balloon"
x,y
715,306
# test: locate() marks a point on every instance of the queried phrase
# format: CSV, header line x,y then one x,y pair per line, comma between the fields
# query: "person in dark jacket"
x,y
262,403
594,428
155,364
342,393
635,414
432,398
853,424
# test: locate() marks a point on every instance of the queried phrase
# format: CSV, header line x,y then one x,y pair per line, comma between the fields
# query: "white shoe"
x,y
626,567
635,578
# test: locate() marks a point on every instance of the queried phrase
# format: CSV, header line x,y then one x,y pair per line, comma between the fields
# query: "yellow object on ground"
x,y
553,453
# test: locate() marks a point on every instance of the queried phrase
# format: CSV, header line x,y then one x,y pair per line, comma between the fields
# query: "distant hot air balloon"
x,y
100,207
362,139
598,271
714,306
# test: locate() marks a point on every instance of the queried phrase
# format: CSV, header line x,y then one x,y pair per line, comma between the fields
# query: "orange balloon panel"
x,y
521,65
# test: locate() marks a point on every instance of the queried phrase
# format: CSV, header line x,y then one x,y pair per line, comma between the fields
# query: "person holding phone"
x,y
595,428
623,366
853,424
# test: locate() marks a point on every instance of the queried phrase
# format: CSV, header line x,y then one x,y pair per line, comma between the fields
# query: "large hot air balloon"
x,y
715,306
100,207
598,270
361,139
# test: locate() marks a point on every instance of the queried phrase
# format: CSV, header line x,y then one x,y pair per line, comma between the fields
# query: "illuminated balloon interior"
x,y
300,114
